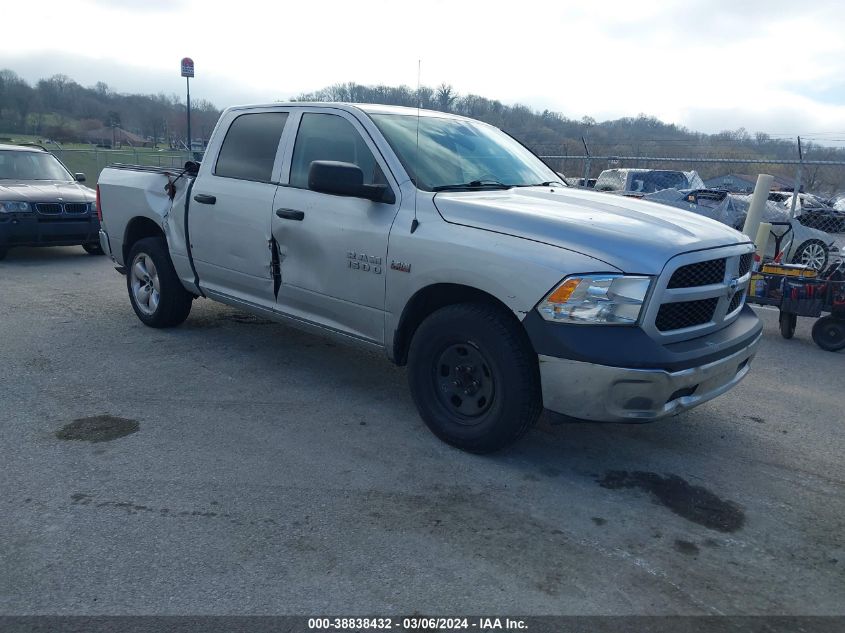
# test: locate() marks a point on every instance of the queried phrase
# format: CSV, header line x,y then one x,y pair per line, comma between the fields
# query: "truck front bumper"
x,y
616,394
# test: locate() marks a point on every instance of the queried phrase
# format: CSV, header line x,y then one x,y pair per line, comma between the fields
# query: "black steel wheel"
x,y
474,376
788,321
829,333
465,382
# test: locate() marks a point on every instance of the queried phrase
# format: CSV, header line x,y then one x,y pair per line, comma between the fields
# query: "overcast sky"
x,y
767,65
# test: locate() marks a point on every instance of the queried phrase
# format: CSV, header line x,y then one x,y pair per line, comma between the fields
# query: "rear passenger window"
x,y
331,137
249,149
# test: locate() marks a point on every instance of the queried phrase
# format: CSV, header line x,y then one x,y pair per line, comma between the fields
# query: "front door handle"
x,y
205,199
290,214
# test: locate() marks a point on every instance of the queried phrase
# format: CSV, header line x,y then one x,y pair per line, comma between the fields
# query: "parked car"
x,y
42,204
445,243
637,182
800,245
811,210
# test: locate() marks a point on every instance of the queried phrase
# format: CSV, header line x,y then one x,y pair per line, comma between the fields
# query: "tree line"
x,y
61,109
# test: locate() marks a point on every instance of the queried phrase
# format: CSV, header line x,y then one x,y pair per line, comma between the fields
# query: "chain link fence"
x,y
721,188
92,161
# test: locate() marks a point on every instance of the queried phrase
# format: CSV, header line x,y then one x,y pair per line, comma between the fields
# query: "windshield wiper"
x,y
473,184
548,183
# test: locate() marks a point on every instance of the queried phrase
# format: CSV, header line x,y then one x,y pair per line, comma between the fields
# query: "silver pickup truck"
x,y
452,247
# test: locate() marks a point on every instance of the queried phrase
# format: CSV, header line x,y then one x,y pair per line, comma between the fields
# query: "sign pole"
x,y
187,73
188,82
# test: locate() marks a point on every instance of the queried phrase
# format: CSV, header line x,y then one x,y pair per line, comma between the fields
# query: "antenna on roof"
x,y
415,223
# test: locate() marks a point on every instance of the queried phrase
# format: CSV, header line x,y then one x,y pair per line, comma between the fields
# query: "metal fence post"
x,y
797,187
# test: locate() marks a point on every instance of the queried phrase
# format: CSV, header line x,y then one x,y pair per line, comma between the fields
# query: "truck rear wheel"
x,y
474,377
157,296
93,248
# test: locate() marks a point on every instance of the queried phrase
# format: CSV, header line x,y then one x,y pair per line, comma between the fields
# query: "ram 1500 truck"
x,y
452,247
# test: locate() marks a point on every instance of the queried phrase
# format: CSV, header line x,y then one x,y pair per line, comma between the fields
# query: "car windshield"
x,y
460,154
17,165
651,181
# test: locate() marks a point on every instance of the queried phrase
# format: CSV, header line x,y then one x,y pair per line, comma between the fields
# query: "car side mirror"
x,y
80,177
345,179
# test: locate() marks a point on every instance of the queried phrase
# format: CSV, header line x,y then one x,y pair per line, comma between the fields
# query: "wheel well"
x,y
428,300
137,229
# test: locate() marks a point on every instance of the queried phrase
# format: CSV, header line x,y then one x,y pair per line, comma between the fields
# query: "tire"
x,y
788,321
812,253
829,333
150,275
93,249
3,252
474,377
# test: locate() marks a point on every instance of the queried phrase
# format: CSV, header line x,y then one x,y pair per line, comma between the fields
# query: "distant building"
x,y
744,183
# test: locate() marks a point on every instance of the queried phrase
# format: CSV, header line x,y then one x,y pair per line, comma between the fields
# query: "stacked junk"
x,y
795,289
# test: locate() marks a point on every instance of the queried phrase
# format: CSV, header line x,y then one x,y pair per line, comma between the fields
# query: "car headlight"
x,y
14,207
596,299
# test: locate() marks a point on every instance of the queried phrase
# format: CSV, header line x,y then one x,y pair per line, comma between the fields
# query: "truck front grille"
x,y
699,293
675,316
699,274
745,264
736,301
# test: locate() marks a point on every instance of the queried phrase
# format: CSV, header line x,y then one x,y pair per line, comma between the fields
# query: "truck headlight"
x,y
14,207
596,299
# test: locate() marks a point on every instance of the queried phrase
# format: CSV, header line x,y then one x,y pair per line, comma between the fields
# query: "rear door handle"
x,y
290,214
205,199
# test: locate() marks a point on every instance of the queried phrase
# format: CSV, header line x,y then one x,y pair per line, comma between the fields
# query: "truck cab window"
x,y
249,149
331,137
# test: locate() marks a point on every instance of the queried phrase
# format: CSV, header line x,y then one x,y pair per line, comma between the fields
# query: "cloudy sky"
x,y
767,65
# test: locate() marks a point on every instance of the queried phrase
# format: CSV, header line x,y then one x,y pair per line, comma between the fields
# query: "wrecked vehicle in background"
x,y
811,210
801,244
636,182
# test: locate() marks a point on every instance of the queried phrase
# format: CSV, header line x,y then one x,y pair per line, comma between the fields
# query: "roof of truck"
x,y
369,108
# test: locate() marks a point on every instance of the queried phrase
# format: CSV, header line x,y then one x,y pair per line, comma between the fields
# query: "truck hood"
x,y
634,236
44,191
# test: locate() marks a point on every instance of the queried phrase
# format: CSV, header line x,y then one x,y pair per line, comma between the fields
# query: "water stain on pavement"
x,y
686,547
693,503
97,428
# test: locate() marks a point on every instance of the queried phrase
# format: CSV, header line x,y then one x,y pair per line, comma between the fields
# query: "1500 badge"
x,y
363,262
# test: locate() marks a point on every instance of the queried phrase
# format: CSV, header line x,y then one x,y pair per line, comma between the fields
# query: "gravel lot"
x,y
253,468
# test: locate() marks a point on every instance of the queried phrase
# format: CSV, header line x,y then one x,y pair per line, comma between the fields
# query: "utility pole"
x,y
587,163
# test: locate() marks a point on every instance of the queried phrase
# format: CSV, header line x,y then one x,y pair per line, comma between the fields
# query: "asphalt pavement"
x,y
237,466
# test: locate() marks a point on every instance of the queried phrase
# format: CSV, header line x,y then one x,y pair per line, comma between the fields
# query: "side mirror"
x,y
80,177
345,179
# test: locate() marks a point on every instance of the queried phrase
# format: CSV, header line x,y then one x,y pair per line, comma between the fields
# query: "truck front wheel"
x,y
474,377
158,297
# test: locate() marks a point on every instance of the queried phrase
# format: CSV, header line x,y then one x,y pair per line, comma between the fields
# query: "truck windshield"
x,y
460,154
16,165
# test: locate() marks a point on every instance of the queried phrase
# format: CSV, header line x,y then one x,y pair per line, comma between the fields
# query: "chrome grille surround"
x,y
724,292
